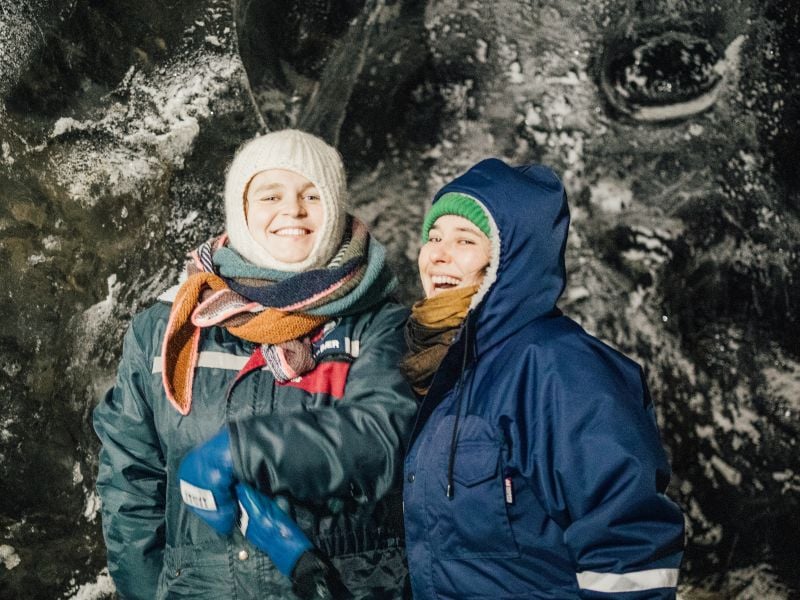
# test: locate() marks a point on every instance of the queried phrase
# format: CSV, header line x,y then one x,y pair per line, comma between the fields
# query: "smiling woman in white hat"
x,y
273,365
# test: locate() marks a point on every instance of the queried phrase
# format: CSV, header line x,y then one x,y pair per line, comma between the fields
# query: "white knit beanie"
x,y
302,153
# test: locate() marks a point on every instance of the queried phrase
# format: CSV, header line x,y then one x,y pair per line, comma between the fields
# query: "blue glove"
x,y
206,481
270,529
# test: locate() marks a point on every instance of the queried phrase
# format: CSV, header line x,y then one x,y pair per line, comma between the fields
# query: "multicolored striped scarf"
x,y
280,311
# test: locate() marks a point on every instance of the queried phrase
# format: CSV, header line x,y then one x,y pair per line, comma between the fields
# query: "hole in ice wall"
x,y
658,73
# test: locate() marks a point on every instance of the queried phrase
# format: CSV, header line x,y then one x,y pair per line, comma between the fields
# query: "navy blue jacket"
x,y
558,473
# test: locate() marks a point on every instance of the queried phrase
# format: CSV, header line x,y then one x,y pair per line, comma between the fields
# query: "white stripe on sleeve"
x,y
628,582
212,360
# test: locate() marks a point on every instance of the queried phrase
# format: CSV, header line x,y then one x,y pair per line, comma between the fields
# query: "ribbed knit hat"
x,y
306,155
461,205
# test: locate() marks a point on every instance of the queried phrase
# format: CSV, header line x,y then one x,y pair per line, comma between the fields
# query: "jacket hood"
x,y
528,207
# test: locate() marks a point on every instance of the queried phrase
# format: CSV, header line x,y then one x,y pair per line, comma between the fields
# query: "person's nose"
x,y
440,254
294,206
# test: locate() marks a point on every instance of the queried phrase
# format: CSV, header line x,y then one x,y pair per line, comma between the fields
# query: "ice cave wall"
x,y
673,125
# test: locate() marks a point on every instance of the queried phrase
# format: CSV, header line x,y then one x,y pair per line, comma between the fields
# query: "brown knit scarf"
x,y
432,327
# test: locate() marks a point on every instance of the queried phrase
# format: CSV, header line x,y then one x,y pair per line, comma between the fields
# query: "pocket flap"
x,y
475,463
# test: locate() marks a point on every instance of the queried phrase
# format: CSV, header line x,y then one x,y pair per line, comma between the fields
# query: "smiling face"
x,y
455,255
284,214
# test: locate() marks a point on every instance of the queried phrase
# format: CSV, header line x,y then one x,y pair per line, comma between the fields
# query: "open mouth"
x,y
292,232
444,282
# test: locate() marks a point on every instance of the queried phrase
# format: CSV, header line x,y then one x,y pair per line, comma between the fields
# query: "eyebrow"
x,y
279,186
267,186
458,229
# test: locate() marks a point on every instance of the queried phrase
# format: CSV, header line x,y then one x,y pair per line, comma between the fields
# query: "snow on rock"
x,y
169,106
9,557
611,195
181,97
23,28
92,507
102,587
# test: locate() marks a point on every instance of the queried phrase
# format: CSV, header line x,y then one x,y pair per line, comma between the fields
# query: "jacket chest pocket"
x,y
473,523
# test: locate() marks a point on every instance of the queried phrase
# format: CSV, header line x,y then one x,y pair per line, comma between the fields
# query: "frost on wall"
x,y
115,129
672,124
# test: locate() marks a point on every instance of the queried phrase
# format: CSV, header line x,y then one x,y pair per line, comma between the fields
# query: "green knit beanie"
x,y
461,205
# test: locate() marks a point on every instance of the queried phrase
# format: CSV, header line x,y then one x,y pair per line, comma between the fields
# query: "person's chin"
x,y
292,257
291,251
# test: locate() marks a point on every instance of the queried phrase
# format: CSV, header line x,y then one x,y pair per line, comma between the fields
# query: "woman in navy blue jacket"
x,y
535,469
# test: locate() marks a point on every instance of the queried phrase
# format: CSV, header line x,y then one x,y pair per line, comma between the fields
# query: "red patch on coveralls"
x,y
328,377
256,361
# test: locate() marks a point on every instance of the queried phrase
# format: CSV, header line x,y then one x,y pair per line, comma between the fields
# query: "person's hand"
x,y
270,529
206,482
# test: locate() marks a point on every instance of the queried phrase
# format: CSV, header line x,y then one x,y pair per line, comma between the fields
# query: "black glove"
x,y
315,578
